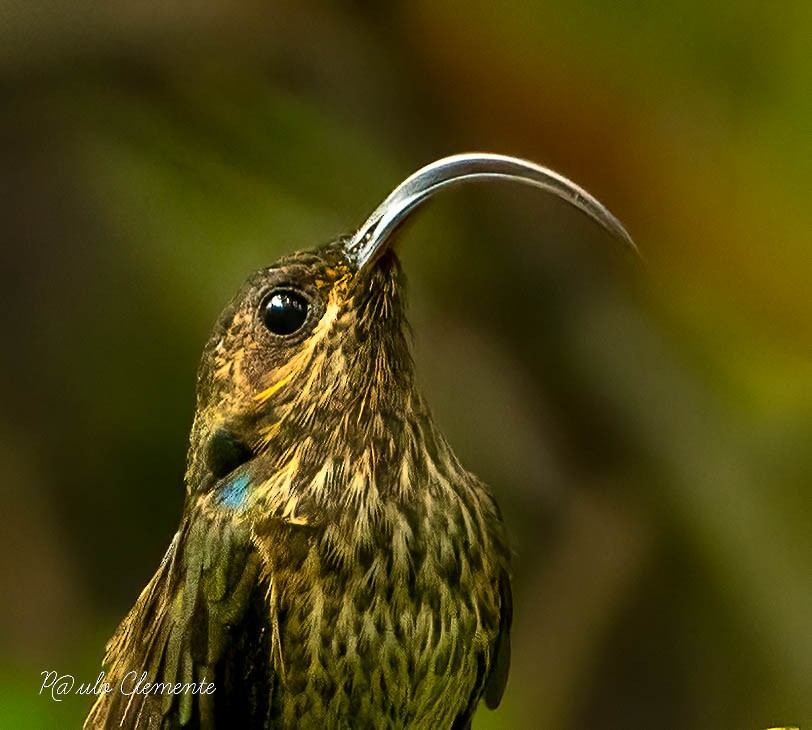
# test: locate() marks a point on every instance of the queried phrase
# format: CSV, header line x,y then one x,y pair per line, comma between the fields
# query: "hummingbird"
x,y
335,566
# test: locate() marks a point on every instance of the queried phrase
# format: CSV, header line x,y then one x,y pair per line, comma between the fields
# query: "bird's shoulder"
x,y
200,623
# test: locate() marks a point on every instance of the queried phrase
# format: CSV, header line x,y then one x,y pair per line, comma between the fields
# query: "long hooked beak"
x,y
370,239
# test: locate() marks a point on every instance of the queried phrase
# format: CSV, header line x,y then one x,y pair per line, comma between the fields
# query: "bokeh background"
x,y
647,428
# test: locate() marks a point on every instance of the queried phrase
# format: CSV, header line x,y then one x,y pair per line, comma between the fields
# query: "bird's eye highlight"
x,y
284,311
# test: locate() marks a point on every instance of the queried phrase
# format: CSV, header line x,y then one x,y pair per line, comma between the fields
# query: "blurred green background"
x,y
646,429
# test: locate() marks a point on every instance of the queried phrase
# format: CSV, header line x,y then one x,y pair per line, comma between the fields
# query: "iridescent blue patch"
x,y
234,492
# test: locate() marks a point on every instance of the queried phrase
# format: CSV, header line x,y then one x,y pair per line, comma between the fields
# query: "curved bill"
x,y
371,238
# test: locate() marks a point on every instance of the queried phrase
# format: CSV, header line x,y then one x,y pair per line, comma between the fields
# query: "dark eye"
x,y
284,311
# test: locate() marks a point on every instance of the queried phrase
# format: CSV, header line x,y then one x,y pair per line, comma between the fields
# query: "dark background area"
x,y
646,429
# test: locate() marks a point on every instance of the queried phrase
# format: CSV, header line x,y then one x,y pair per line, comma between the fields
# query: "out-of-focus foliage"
x,y
647,431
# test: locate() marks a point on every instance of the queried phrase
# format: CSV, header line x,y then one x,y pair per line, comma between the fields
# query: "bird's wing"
x,y
191,624
497,677
491,682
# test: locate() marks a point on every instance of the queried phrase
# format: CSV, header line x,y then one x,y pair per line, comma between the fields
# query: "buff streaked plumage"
x,y
336,566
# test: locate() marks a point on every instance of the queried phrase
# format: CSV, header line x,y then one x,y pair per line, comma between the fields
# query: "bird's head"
x,y
307,380
310,360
